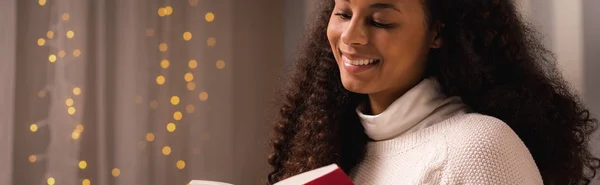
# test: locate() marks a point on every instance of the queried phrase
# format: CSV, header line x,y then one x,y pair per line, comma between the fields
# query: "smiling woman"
x,y
430,92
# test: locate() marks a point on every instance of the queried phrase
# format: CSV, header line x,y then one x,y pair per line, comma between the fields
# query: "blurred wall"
x,y
7,67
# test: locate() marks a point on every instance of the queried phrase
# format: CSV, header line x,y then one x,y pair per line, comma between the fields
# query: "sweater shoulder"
x,y
485,145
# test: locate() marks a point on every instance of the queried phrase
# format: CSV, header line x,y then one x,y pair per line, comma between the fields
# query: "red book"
x,y
327,175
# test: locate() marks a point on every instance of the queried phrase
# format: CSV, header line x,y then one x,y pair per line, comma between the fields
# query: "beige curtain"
x,y
124,92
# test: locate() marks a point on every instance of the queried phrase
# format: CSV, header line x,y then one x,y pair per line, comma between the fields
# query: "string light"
x,y
211,41
42,94
177,115
166,150
187,36
32,158
33,127
163,47
79,128
164,63
65,16
175,100
42,2
52,58
71,110
76,91
220,64
191,86
171,127
69,102
75,135
160,79
193,64
50,34
153,104
188,77
193,2
85,182
149,32
180,164
41,41
209,17
137,99
70,34
203,96
190,108
82,164
76,52
161,12
168,10
150,137
61,53
51,181
116,172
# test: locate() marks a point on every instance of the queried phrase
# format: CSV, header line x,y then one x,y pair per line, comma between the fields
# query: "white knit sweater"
x,y
427,138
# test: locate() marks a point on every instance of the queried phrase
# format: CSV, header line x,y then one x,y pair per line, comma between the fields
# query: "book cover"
x,y
327,175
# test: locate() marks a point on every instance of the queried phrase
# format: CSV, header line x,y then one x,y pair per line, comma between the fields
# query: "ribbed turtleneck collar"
x,y
420,107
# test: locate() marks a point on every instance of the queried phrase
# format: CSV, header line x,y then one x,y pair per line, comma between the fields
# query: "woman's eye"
x,y
380,25
343,15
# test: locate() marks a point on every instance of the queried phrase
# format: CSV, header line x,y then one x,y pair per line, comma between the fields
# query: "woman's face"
x,y
380,45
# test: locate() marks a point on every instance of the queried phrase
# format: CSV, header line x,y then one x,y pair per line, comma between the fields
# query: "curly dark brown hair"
x,y
490,58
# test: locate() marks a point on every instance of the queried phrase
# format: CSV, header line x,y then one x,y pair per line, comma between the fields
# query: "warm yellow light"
x,y
193,64
161,12
174,100
220,64
52,58
150,137
76,52
203,96
209,17
168,10
42,94
41,41
76,91
50,34
180,164
32,158
171,127
79,128
164,63
177,115
193,2
69,102
65,16
61,53
33,127
82,164
187,36
190,108
116,172
86,182
42,2
191,86
211,41
153,104
160,79
75,135
149,32
166,150
50,181
70,34
71,110
163,47
188,77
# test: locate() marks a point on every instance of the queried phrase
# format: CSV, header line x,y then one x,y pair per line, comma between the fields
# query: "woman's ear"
x,y
436,39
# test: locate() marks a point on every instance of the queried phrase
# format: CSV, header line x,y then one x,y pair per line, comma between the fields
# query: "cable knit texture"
x,y
457,147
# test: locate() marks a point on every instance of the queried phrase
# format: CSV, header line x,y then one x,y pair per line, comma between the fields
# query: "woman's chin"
x,y
356,86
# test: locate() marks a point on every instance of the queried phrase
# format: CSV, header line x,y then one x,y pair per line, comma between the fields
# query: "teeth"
x,y
358,62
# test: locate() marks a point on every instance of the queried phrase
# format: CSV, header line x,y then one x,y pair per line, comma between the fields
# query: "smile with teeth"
x,y
358,62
